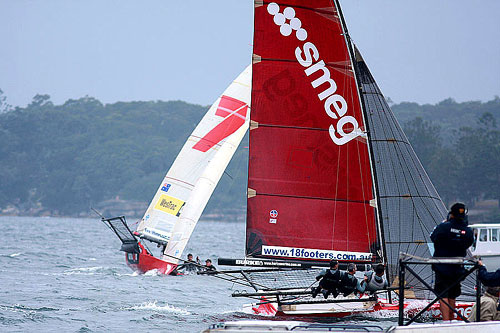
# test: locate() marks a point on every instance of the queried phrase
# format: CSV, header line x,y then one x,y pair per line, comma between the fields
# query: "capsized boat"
x,y
331,173
182,196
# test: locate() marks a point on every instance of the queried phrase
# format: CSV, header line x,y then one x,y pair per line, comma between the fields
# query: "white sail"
x,y
188,185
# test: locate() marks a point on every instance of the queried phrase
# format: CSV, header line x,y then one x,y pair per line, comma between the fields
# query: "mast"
x,y
370,148
408,205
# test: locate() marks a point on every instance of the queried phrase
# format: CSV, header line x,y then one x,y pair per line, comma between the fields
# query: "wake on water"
x,y
80,282
147,306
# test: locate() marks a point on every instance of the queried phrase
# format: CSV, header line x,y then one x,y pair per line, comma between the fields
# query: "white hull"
x,y
297,326
313,309
269,307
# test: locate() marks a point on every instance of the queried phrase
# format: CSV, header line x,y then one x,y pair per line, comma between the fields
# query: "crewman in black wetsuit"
x,y
189,265
349,283
209,268
451,238
329,280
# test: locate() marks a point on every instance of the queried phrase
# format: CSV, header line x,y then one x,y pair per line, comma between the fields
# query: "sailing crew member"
x,y
189,265
451,238
489,306
209,268
490,279
375,280
349,283
329,280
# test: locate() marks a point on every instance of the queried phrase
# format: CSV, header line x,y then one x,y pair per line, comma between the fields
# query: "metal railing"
x,y
405,260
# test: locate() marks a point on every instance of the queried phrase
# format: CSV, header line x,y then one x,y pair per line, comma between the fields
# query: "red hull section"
x,y
145,261
312,191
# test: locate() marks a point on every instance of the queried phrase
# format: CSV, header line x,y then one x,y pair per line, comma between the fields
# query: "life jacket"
x,y
190,266
331,280
375,282
348,284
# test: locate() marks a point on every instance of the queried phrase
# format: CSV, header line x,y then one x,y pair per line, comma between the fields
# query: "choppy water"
x,y
63,274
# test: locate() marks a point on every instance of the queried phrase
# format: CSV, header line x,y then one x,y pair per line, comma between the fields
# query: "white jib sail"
x,y
191,180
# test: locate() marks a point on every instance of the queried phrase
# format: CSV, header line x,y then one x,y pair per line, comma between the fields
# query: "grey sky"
x,y
422,51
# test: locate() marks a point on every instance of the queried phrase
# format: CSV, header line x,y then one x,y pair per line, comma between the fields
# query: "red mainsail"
x,y
310,186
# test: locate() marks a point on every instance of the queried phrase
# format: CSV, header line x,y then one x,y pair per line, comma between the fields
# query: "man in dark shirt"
x,y
350,283
189,265
333,281
209,268
451,238
329,280
489,279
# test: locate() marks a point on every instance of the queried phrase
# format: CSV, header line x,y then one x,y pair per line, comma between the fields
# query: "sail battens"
x,y
251,193
391,140
368,202
308,160
293,127
332,65
256,59
253,125
179,180
408,242
372,93
407,196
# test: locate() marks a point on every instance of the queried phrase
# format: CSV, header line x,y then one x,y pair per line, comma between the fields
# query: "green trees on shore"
x,y
461,156
65,158
68,157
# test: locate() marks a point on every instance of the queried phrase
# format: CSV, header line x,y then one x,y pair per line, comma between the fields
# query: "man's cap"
x,y
333,263
190,254
379,269
458,209
208,260
351,267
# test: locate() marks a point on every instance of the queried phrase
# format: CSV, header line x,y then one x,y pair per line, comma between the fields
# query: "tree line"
x,y
65,158
461,156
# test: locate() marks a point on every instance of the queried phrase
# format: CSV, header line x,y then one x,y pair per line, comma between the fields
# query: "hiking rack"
x,y
119,226
406,259
294,298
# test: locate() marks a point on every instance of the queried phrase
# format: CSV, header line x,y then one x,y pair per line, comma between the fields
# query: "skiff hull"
x,y
339,310
144,261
